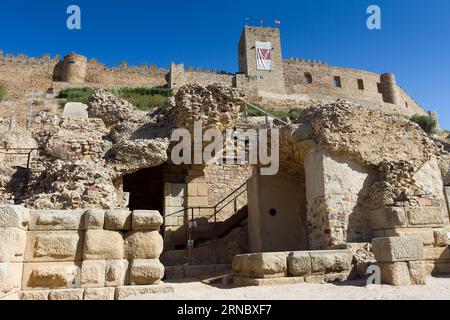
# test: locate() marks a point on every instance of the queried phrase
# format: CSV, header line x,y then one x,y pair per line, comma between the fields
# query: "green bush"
x,y
76,94
145,99
427,123
2,91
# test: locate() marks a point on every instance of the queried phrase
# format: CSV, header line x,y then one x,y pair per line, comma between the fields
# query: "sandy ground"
x,y
192,289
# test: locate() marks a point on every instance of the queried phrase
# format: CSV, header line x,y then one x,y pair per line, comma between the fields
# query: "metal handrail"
x,y
266,114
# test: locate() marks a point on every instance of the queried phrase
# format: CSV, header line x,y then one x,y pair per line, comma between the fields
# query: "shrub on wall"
x,y
145,99
427,123
2,91
76,94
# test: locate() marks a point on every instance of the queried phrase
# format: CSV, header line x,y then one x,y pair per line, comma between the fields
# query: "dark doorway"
x,y
146,188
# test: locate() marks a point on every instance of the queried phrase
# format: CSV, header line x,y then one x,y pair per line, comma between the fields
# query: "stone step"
x,y
195,271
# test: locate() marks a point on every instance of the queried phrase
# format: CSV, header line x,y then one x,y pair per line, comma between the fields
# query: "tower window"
x,y
380,90
307,79
360,84
337,82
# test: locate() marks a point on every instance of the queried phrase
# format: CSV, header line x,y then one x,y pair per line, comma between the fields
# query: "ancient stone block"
x,y
54,246
427,234
441,238
336,277
439,253
143,245
316,278
144,272
14,216
198,270
93,273
417,272
268,265
66,294
56,220
117,220
299,264
202,189
5,283
146,220
94,219
34,295
330,261
426,215
396,274
398,249
173,272
50,275
103,245
12,244
99,293
386,218
116,273
130,292
240,264
247,282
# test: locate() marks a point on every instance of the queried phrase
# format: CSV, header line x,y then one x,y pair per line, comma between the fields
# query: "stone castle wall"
x,y
77,254
179,77
380,89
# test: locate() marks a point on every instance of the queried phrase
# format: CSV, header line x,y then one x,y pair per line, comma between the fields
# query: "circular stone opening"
x,y
273,212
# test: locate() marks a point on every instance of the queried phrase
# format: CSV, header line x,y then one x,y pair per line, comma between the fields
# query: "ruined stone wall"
x,y
375,88
77,254
179,77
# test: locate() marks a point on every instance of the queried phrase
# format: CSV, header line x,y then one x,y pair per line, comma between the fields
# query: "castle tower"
x,y
389,88
72,69
260,58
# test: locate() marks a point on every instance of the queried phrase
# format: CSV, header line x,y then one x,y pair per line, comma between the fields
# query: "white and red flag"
x,y
263,55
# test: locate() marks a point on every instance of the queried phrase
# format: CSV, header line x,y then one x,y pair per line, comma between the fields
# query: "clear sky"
x,y
414,41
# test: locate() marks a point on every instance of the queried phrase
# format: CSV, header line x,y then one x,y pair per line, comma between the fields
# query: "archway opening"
x,y
146,188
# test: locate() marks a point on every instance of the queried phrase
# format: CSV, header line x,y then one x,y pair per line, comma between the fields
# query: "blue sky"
x,y
414,41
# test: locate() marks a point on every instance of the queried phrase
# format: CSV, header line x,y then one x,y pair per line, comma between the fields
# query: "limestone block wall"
x,y
277,268
424,215
79,254
336,190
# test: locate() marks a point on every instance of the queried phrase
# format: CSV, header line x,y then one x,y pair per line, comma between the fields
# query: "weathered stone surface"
x,y
94,219
14,216
117,220
103,245
240,264
387,218
331,261
143,245
316,278
50,275
66,294
398,249
440,253
75,110
144,272
54,246
247,282
299,264
417,272
173,272
12,244
441,237
5,283
268,265
198,270
396,274
34,295
426,215
56,220
93,273
146,220
130,292
99,293
116,273
427,234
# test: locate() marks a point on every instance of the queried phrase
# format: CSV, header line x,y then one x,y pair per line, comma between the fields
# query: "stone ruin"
x,y
356,188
